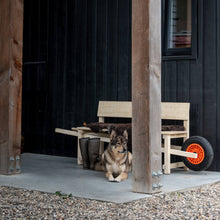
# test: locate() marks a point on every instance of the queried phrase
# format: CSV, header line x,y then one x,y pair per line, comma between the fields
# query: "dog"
x,y
116,160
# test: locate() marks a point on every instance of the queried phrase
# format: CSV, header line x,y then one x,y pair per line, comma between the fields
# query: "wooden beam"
x,y
11,36
146,95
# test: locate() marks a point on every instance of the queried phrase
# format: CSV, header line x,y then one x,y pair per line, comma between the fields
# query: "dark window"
x,y
179,28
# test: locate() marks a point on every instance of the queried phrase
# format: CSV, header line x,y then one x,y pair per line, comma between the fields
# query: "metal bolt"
x,y
17,168
11,168
17,163
154,174
159,173
160,185
12,159
154,186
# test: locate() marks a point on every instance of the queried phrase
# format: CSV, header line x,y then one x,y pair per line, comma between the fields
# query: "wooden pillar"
x,y
11,34
146,95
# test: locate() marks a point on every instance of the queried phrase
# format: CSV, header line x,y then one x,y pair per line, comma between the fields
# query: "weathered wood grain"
x,y
146,94
11,34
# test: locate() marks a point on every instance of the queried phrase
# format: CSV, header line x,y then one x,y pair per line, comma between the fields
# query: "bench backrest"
x,y
169,110
123,109
175,111
112,109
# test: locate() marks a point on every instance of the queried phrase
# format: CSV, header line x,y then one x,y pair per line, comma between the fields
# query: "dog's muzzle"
x,y
122,151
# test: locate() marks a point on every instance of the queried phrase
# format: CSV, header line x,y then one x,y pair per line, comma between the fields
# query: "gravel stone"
x,y
198,203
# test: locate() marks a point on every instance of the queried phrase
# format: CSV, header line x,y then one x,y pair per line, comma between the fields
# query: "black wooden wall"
x,y
198,80
76,52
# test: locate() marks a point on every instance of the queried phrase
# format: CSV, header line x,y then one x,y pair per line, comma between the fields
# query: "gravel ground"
x,y
199,203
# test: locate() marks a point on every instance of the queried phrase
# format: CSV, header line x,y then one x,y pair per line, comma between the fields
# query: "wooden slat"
x,y
115,109
65,131
167,143
81,128
175,165
172,136
181,153
175,111
174,132
169,110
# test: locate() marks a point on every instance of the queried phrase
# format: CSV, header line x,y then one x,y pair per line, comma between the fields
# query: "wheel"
x,y
204,150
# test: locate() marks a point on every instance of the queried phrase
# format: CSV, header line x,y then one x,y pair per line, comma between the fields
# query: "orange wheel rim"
x,y
196,148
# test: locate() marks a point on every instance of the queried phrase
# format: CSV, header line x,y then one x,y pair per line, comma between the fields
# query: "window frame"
x,y
179,53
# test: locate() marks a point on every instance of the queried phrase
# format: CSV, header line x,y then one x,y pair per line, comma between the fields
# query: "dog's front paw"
x,y
122,176
118,179
111,179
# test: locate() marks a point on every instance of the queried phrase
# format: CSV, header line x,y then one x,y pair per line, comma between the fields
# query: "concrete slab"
x,y
51,173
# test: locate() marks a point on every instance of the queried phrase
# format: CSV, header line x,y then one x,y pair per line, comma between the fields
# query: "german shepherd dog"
x,y
116,159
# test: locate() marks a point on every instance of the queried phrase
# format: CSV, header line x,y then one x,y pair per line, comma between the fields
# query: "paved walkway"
x,y
51,173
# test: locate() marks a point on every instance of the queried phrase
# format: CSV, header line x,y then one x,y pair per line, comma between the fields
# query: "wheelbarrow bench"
x,y
169,111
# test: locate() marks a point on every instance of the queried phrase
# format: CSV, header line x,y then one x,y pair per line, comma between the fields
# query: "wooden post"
x,y
146,95
11,34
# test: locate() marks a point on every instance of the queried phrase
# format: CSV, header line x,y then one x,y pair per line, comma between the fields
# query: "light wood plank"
x,y
174,132
167,154
65,131
115,109
101,149
181,153
175,111
79,155
175,165
175,135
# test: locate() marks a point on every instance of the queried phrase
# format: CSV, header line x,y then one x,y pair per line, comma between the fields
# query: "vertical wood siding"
x,y
217,150
75,54
197,81
83,50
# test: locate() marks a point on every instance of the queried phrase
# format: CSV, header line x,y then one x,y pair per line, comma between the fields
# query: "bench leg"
x,y
101,149
185,167
167,145
79,155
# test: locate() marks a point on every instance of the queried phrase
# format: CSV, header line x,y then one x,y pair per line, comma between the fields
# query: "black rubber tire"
x,y
209,154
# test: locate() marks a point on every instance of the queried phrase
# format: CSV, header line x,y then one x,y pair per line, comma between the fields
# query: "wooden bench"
x,y
169,111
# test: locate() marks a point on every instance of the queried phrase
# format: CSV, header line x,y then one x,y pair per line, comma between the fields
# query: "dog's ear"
x,y
112,135
125,134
